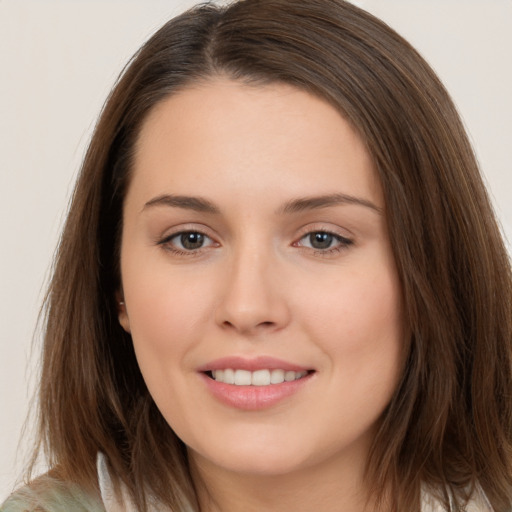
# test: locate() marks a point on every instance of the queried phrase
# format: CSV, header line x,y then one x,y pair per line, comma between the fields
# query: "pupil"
x,y
320,240
192,240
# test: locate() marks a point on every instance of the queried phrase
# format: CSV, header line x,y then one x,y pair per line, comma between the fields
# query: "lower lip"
x,y
253,398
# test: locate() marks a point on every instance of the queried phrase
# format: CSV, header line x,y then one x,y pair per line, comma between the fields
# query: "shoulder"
x,y
47,494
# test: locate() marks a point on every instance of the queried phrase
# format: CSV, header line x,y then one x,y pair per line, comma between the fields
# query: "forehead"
x,y
245,137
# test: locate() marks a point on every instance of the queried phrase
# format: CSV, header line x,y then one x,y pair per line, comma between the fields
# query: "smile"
x,y
263,377
253,384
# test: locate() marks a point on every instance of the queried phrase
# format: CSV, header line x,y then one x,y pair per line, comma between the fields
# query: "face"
x,y
258,279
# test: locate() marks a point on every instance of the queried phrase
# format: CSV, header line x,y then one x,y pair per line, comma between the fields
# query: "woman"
x,y
280,284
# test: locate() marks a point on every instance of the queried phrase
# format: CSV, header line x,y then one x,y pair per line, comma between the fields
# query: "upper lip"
x,y
252,364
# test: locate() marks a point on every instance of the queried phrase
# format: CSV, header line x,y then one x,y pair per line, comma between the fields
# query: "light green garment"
x,y
59,497
56,497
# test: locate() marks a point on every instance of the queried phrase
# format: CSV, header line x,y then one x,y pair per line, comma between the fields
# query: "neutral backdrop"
x,y
59,59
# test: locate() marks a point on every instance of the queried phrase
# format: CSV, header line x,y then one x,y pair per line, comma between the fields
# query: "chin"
x,y
258,459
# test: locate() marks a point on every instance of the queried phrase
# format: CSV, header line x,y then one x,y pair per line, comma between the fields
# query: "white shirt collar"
x,y
111,501
123,503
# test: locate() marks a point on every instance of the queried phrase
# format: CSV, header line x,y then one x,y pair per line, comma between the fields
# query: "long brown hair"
x,y
449,424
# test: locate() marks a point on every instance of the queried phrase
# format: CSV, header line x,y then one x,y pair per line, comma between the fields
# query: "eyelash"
x,y
343,243
168,246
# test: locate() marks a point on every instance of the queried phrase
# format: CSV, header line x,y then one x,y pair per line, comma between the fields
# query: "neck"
x,y
326,488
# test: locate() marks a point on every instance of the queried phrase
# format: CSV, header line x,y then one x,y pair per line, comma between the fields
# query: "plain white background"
x,y
59,59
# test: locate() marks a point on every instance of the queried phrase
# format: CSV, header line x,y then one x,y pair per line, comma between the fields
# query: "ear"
x,y
122,313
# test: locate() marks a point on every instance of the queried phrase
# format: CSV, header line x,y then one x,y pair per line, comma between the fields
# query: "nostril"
x,y
268,323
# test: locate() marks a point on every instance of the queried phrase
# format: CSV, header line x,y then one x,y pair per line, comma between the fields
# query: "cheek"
x,y
358,324
164,313
361,305
164,328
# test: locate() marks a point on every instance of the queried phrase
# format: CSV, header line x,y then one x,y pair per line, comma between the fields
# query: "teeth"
x,y
289,376
257,378
242,378
276,376
229,376
260,378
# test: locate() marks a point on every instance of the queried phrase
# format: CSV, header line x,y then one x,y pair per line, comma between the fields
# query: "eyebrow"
x,y
197,204
324,201
200,204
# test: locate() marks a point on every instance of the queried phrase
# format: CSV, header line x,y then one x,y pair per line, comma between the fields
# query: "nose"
x,y
253,301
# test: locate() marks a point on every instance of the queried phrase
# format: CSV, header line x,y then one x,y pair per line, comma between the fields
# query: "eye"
x,y
324,241
187,241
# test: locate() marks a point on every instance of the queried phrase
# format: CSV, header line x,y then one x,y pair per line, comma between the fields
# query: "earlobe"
x,y
122,313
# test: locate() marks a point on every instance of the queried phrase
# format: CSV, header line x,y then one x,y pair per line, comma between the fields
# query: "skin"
x,y
260,286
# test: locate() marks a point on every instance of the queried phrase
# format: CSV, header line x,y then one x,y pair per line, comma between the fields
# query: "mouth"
x,y
262,377
255,384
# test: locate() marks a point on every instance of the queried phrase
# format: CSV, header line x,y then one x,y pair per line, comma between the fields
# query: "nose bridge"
x,y
252,298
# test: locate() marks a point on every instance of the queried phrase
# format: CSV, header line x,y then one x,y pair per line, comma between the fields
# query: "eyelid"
x,y
171,231
344,241
165,239
181,233
325,227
